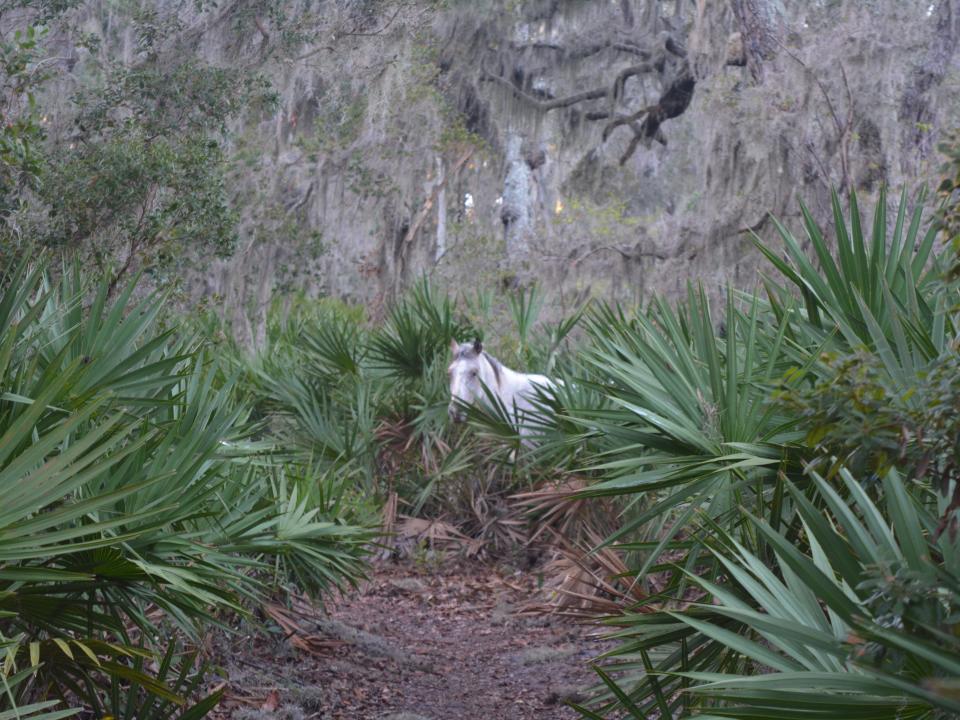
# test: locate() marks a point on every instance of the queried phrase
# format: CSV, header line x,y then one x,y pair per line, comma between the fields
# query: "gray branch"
x,y
545,105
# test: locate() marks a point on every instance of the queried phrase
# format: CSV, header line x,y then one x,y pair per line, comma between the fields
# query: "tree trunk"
x,y
761,30
441,248
916,114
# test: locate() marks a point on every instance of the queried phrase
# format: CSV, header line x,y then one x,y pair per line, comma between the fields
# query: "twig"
x,y
356,33
638,137
624,120
843,128
313,52
626,254
755,228
302,201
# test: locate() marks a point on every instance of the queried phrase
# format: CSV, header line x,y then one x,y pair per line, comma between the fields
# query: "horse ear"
x,y
454,346
477,346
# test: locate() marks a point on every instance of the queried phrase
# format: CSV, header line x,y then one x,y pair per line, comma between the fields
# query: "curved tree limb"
x,y
583,51
545,105
628,73
663,55
624,120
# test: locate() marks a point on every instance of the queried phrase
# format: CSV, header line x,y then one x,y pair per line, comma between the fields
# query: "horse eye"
x,y
473,373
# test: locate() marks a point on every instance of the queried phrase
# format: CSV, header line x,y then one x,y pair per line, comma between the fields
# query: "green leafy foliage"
x,y
20,121
148,140
785,468
178,676
370,403
786,565
873,420
358,402
417,334
949,193
881,290
129,171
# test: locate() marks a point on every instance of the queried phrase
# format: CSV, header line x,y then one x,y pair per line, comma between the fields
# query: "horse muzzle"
x,y
456,414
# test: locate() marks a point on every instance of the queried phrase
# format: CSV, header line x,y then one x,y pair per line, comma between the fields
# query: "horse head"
x,y
469,371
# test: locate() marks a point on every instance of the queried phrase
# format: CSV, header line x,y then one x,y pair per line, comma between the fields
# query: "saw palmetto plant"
x,y
853,616
135,488
707,432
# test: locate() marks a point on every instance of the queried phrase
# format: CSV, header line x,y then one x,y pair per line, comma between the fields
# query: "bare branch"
x,y
625,254
843,127
662,54
595,115
295,207
545,105
632,49
627,73
311,53
624,120
581,52
642,134
632,147
356,32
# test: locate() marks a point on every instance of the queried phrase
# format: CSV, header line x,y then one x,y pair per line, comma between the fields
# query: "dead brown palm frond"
x,y
560,510
388,515
489,518
401,448
394,438
436,533
297,636
499,527
232,700
388,524
588,583
394,430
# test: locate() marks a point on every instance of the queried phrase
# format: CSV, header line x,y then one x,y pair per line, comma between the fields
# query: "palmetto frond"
x,y
696,431
131,481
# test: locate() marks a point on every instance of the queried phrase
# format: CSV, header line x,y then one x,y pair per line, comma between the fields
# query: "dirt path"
x,y
417,646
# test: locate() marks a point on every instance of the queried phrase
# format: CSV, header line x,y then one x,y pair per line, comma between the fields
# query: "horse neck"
x,y
489,375
499,377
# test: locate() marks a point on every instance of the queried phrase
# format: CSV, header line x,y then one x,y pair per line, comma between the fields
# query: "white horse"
x,y
472,369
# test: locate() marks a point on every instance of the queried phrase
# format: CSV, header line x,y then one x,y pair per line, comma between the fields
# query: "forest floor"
x,y
413,644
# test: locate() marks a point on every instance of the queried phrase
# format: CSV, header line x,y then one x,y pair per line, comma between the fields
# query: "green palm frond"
x,y
834,643
132,479
416,334
885,284
689,417
818,632
786,573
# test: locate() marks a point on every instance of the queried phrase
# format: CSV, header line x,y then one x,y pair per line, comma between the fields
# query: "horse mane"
x,y
495,364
